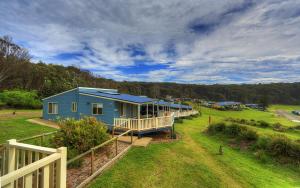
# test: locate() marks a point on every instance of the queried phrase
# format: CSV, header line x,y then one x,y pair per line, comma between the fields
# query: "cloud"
x,y
193,41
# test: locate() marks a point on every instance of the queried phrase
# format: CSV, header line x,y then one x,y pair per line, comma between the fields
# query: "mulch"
x,y
77,175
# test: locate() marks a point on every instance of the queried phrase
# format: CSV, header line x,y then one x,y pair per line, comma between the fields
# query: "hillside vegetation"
x,y
18,72
194,160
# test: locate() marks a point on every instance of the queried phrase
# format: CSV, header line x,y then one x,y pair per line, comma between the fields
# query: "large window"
x,y
52,108
97,108
74,106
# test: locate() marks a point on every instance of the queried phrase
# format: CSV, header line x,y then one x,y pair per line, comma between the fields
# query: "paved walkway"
x,y
44,122
143,142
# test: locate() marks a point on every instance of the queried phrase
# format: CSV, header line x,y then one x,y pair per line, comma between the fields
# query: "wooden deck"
x,y
153,123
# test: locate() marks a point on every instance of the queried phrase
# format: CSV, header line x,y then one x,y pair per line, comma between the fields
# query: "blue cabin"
x,y
139,113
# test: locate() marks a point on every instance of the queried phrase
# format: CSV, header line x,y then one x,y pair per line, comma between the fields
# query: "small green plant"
x,y
233,130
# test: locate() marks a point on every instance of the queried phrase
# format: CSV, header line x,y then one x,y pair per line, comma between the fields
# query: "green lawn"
x,y
16,127
193,161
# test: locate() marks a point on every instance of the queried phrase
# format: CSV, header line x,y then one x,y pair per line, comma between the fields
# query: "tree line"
x,y
18,72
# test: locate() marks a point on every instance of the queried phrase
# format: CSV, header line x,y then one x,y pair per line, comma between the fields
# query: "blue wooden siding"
x,y
64,102
110,111
84,107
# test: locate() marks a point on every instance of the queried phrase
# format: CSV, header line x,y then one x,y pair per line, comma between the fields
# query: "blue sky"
x,y
193,41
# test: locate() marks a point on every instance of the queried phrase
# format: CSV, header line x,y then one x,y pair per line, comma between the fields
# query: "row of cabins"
x,y
139,113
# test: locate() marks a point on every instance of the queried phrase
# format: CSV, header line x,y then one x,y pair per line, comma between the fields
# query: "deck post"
x,y
139,116
11,155
153,109
61,168
147,110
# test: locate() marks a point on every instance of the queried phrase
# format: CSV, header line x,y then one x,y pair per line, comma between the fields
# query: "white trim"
x,y
93,108
113,99
59,94
52,107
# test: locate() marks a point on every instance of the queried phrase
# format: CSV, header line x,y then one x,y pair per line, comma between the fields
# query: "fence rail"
x,y
25,165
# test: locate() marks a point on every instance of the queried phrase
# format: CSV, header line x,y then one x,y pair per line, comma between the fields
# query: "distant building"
x,y
227,105
296,112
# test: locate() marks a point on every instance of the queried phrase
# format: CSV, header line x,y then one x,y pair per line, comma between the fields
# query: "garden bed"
x,y
75,176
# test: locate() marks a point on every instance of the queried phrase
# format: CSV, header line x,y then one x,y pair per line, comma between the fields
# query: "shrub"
x,y
216,127
263,124
20,99
261,155
82,134
71,154
278,127
233,130
262,142
248,134
279,146
178,120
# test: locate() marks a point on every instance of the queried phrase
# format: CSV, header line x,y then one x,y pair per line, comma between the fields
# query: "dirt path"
x,y
226,179
288,115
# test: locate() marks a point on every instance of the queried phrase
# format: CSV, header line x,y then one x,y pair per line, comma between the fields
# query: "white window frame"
x,y
53,111
74,104
93,108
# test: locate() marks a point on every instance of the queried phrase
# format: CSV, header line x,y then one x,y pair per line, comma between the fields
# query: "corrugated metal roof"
x,y
113,94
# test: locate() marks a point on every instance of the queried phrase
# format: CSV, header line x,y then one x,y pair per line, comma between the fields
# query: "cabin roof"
x,y
173,105
113,94
227,103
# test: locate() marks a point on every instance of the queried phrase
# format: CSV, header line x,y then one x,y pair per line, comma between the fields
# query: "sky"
x,y
191,41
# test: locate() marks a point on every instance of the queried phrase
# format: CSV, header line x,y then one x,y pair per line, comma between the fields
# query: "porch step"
x,y
142,142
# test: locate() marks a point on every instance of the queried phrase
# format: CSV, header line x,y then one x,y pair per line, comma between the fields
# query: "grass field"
x,y
16,126
193,160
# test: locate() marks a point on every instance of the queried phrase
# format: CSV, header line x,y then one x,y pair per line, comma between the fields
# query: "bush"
x,y
20,99
281,146
178,120
263,124
278,127
216,127
81,135
248,134
71,154
233,130
261,155
262,142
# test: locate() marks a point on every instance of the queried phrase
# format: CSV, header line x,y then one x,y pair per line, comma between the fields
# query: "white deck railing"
x,y
25,165
145,123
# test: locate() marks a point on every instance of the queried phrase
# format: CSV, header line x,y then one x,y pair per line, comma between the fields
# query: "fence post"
x,y
11,155
61,168
42,139
92,161
117,146
131,136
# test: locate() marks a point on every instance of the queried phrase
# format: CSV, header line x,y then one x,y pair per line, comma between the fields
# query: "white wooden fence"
x,y
25,165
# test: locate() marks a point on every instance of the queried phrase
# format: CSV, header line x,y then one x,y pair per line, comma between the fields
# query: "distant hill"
x,y
17,72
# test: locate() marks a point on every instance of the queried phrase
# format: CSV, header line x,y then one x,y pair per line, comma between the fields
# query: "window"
x,y
97,108
52,108
122,109
74,106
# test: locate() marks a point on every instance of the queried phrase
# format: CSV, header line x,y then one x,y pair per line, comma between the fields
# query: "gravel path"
x,y
288,115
